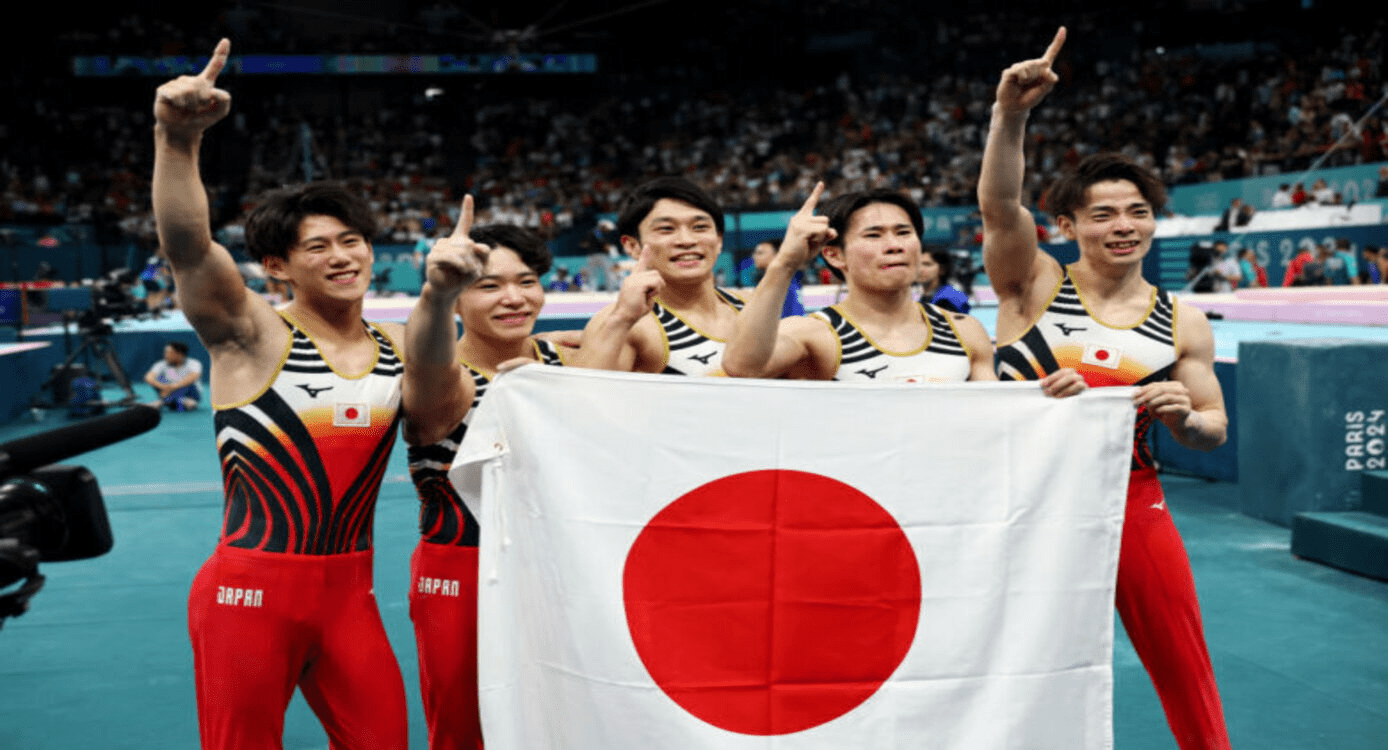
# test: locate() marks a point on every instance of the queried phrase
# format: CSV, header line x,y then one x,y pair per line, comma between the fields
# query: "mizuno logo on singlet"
x,y
1067,330
704,359
872,373
313,392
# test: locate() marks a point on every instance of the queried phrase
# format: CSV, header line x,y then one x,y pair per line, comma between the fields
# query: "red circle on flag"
x,y
1101,354
773,601
350,412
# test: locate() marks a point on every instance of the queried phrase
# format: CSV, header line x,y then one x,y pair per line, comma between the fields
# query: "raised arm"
x,y
435,394
1010,252
210,289
758,348
609,338
1191,403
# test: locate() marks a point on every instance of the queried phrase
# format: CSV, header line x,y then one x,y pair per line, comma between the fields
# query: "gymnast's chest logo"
x,y
702,359
313,392
1067,330
1108,357
871,374
351,415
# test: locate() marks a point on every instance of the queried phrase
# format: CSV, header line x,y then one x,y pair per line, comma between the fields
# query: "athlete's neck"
x,y
338,323
880,308
1109,282
488,354
698,297
1115,299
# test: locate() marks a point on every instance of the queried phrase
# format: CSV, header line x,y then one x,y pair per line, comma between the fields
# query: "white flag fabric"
x,y
697,563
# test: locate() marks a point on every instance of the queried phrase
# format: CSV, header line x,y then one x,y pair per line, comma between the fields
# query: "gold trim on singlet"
x,y
394,347
838,342
1175,328
949,318
534,350
374,360
665,338
539,355
274,374
929,336
1050,300
1080,294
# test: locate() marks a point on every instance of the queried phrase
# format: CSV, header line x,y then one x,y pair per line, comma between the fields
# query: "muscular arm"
x,y
760,346
616,337
609,341
1191,404
437,394
1010,252
980,347
211,291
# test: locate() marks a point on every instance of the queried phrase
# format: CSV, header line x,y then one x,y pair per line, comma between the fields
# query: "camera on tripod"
x,y
53,513
112,300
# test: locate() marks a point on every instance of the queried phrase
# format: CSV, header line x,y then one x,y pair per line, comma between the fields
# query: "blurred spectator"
x,y
1345,252
1299,196
1252,274
936,272
175,379
761,259
1370,273
561,282
1283,197
1322,194
1230,217
1296,268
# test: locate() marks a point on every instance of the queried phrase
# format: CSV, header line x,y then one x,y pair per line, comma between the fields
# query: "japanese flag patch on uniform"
x,y
1102,356
351,415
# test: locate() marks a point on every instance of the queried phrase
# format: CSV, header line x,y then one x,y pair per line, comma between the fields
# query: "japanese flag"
x,y
706,563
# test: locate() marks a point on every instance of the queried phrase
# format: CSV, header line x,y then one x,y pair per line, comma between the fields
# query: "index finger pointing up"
x,y
1054,50
217,61
812,201
643,261
464,225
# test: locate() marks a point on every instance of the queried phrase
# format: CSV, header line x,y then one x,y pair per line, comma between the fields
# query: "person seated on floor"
x,y
175,379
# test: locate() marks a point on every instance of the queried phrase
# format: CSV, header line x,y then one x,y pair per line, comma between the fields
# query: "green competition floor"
x,y
102,660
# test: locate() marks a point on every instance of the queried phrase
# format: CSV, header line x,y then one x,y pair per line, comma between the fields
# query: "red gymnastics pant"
x,y
1156,600
264,622
443,606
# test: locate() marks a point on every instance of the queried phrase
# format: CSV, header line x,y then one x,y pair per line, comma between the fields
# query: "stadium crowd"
x,y
911,116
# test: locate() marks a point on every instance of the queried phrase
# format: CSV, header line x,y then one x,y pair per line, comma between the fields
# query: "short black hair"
x,y
529,246
945,260
840,211
638,203
1067,194
178,346
272,228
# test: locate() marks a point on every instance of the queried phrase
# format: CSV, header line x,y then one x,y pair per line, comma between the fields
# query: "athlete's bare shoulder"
x,y
820,357
395,334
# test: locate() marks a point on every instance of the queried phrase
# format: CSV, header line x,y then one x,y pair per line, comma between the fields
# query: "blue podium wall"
x,y
1312,419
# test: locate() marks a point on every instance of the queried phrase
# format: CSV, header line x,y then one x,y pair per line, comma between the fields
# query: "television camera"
x,y
50,512
113,299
